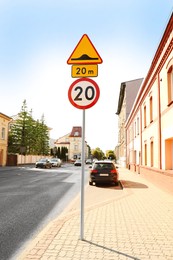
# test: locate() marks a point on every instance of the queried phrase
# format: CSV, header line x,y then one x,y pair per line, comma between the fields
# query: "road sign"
x,y
84,53
84,70
83,93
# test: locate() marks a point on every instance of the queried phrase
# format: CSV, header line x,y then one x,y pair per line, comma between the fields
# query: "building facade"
x,y
4,127
127,95
73,142
149,127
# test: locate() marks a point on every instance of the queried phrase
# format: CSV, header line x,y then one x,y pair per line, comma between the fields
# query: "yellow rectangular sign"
x,y
84,70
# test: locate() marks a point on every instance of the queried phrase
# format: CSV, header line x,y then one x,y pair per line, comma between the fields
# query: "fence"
x,y
18,159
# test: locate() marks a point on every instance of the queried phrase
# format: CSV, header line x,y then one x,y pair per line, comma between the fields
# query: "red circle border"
x,y
93,102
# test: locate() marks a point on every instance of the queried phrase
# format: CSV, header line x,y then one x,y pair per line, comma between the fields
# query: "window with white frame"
x,y
137,125
76,133
170,84
145,117
151,109
3,133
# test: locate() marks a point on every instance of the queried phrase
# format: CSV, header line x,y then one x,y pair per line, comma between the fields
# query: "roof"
x,y
76,131
131,87
62,142
5,116
159,58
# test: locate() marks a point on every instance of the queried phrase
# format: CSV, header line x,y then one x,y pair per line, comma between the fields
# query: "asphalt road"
x,y
29,199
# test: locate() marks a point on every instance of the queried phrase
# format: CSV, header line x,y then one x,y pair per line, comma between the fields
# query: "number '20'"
x,y
89,93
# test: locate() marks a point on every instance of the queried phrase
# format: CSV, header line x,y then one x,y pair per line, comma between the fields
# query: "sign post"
x,y
82,179
83,94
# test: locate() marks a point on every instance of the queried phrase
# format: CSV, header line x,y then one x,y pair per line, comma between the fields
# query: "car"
x,y
88,161
78,162
43,163
56,162
103,172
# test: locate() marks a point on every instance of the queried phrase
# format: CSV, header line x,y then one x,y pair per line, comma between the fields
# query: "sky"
x,y
36,39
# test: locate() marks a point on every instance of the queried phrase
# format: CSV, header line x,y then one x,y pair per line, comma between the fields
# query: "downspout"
x,y
159,126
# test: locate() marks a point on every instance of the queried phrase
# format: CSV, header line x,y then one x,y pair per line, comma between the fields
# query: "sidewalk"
x,y
135,222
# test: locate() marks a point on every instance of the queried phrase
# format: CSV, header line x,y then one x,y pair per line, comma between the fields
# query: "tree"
x,y
28,136
98,153
64,150
43,137
89,151
110,155
20,132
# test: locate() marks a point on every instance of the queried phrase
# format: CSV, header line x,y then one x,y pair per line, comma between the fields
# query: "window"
x,y
76,133
137,125
3,133
145,154
170,85
151,109
135,128
145,117
151,153
76,147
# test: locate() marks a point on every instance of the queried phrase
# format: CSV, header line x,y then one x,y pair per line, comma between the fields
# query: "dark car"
x,y
43,163
103,172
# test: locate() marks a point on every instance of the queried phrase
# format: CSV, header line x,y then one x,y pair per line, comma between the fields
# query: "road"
x,y
29,199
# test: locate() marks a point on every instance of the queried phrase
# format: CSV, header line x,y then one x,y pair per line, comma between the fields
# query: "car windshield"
x,y
109,166
43,160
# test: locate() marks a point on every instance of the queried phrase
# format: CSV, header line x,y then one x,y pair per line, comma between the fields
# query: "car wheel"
x,y
90,183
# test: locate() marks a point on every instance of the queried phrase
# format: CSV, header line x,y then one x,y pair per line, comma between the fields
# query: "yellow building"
x,y
149,127
4,126
73,142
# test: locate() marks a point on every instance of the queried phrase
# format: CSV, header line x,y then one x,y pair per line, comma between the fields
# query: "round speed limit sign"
x,y
83,93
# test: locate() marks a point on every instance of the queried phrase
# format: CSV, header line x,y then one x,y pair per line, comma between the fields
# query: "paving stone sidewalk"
x,y
135,222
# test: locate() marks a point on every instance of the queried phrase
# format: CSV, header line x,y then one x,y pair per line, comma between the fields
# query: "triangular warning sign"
x,y
84,53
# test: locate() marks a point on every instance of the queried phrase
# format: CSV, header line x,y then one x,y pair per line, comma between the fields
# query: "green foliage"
x,y
89,151
64,150
60,152
28,136
110,155
98,153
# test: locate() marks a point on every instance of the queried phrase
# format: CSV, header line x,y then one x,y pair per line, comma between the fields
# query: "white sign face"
x,y
83,93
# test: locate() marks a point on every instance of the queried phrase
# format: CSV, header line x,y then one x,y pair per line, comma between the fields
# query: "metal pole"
x,y
82,178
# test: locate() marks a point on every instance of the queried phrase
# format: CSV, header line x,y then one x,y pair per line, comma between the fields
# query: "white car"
x,y
78,162
56,162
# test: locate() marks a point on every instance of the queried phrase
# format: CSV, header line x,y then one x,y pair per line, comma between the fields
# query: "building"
x,y
127,95
73,142
149,127
4,127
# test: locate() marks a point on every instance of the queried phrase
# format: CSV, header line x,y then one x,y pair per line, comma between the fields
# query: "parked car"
x,y
103,172
78,162
43,163
88,161
56,162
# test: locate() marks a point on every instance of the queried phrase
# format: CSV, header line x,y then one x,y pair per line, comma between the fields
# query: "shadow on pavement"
x,y
132,184
109,186
111,250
